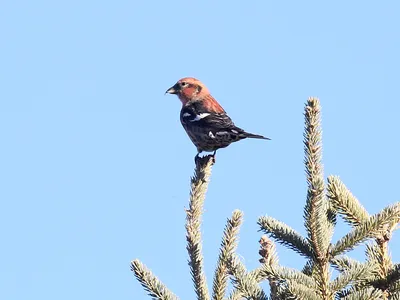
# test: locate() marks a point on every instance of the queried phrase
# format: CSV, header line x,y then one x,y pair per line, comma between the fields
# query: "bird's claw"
x,y
196,158
213,156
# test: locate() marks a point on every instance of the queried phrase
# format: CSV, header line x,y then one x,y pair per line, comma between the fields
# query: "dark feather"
x,y
210,131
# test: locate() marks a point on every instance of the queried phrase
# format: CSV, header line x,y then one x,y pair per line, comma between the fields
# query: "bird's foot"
x,y
196,158
213,156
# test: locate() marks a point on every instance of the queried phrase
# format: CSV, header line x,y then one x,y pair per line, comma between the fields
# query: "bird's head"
x,y
189,89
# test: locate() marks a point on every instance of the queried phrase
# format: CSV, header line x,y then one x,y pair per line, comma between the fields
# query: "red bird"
x,y
205,121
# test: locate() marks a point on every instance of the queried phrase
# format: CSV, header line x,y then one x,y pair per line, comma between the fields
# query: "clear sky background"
x,y
94,163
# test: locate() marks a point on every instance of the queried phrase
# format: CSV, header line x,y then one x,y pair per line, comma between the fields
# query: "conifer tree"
x,y
375,278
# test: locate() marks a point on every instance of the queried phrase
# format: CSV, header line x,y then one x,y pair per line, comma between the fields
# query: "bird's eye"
x,y
184,83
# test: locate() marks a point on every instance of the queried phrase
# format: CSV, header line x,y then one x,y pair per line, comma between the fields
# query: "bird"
x,y
205,121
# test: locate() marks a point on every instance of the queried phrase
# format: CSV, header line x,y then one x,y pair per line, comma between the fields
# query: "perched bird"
x,y
205,121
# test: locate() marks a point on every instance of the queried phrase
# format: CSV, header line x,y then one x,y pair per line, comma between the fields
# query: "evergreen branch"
x,y
257,274
228,246
367,229
308,267
395,296
344,263
285,235
394,274
277,290
357,273
388,229
374,256
387,281
322,274
366,282
394,288
155,288
315,212
269,257
344,201
235,295
199,185
280,274
378,256
246,284
302,292
364,294
318,213
267,251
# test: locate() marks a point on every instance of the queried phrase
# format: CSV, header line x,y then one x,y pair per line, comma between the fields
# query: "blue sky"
x,y
95,165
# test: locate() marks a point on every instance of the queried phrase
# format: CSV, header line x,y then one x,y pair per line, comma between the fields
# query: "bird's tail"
x,y
256,136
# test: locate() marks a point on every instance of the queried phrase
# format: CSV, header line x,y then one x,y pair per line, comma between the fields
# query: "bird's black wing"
x,y
208,120
210,130
211,124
